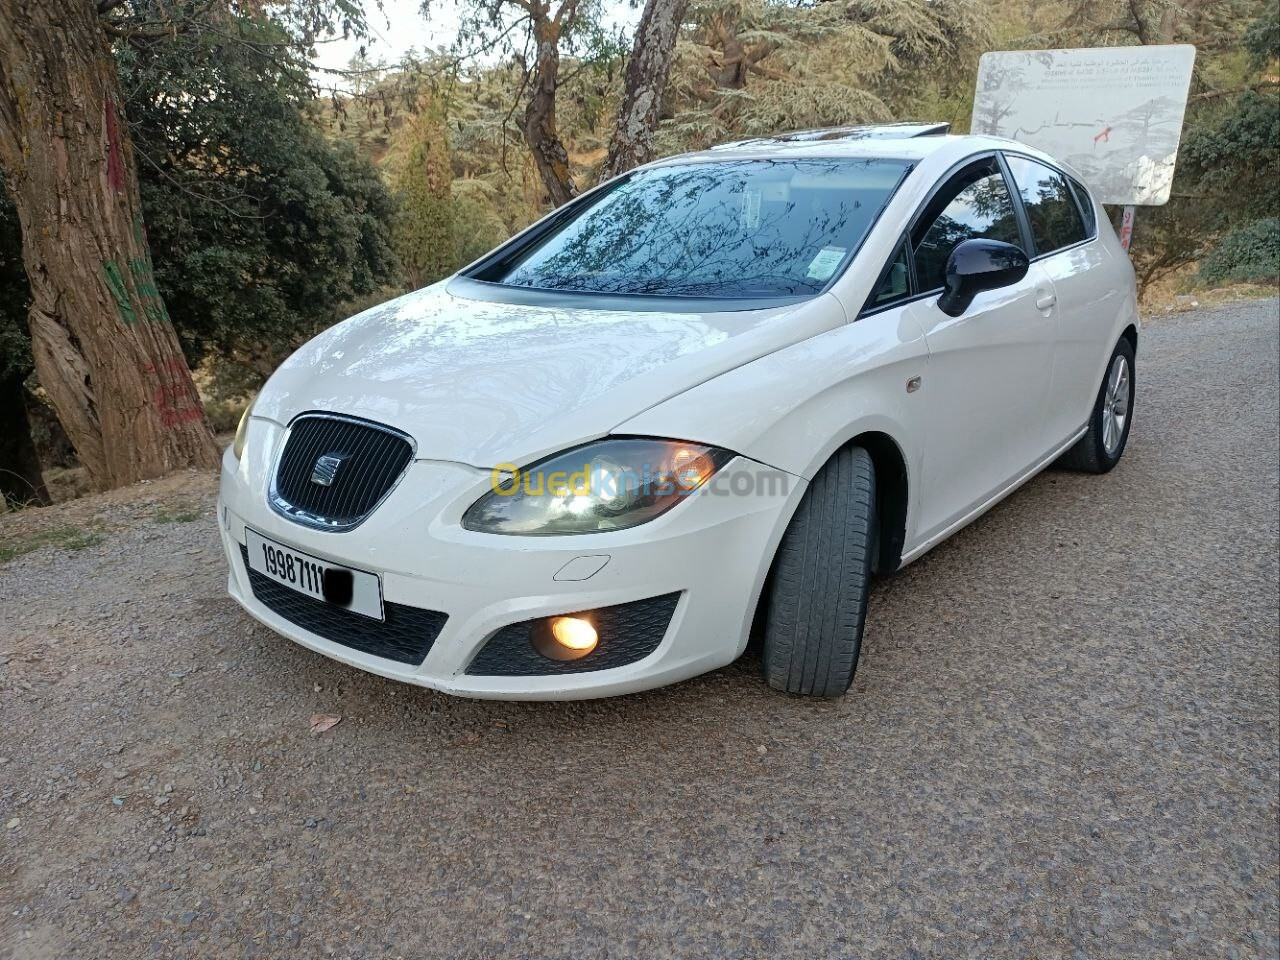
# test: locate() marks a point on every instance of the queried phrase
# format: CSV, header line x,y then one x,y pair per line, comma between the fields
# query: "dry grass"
x,y
1169,294
62,538
183,497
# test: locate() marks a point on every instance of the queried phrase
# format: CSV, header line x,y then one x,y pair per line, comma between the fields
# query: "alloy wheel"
x,y
1115,405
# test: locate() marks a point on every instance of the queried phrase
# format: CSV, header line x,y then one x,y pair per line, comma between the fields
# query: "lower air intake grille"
x,y
628,632
334,470
405,636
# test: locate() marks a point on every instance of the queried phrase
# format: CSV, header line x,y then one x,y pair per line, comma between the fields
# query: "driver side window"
x,y
976,204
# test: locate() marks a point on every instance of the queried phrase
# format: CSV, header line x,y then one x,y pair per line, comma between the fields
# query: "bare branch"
x,y
203,198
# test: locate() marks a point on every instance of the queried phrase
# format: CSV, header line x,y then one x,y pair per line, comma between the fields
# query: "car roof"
x,y
878,131
912,142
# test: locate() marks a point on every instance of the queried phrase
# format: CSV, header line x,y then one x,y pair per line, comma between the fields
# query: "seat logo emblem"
x,y
326,469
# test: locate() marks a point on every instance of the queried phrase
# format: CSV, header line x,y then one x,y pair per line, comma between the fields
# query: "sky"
x,y
397,27
400,25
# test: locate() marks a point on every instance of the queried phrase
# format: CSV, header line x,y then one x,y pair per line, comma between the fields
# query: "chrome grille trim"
x,y
333,433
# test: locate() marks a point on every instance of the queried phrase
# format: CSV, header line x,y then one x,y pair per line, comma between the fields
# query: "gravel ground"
x,y
1062,742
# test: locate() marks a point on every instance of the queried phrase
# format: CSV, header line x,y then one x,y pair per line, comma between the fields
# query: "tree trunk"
x,y
647,72
104,347
1157,22
21,481
1167,28
540,133
731,73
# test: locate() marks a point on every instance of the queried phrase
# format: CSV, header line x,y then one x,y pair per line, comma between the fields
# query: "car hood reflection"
x,y
483,383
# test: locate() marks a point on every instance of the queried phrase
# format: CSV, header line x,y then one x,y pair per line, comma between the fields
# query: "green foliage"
x,y
1262,40
1238,159
1250,254
1228,159
425,227
1229,165
478,227
224,413
754,67
264,229
260,228
504,27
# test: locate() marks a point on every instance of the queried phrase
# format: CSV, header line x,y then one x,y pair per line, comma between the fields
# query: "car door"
x,y
986,380
1064,231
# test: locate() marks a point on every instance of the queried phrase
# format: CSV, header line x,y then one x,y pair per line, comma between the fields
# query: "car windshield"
x,y
733,228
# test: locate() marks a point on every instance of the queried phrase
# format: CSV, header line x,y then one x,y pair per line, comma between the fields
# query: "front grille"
x,y
405,636
335,470
628,632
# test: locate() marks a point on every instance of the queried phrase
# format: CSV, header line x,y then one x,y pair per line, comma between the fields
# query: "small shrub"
x,y
224,415
1249,254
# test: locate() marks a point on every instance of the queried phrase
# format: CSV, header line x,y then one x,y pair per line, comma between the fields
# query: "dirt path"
x,y
1062,743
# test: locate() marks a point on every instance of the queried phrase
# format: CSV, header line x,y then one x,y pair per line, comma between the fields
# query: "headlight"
x,y
242,431
607,485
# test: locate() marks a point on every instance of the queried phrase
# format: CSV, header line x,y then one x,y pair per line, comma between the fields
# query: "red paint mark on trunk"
x,y
115,154
173,393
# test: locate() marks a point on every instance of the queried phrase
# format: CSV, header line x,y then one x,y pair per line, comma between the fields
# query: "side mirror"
x,y
978,265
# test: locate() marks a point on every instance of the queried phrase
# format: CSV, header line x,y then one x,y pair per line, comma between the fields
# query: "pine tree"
x,y
425,231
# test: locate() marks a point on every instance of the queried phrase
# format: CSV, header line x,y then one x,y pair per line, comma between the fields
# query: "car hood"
x,y
484,383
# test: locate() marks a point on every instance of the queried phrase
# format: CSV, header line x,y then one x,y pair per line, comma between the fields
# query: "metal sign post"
x,y
1126,227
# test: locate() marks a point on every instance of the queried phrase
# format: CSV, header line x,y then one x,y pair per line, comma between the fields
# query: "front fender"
x,y
793,408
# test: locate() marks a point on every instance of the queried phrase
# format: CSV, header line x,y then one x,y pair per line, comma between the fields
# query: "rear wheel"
x,y
1103,444
821,576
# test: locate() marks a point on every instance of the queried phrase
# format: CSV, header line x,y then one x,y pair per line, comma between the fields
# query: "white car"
x,y
734,381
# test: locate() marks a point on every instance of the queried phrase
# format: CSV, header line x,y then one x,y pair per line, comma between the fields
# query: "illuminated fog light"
x,y
576,634
565,638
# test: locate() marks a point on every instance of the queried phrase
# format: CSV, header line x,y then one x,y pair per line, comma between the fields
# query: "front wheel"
x,y
1103,444
818,593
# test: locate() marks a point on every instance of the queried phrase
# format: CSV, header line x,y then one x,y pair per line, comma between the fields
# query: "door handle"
x,y
1046,300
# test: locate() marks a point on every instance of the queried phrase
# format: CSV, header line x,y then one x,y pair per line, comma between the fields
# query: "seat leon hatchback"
x,y
721,390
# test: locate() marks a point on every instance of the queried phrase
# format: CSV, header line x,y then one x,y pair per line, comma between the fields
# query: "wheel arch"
x,y
892,493
891,496
893,482
892,501
1130,333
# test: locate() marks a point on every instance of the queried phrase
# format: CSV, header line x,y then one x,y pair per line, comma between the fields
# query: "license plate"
x,y
354,590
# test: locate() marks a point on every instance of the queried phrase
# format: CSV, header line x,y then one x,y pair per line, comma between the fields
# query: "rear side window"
x,y
1086,207
1051,207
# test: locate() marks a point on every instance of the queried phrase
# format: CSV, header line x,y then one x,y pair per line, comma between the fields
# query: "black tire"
x,y
820,578
1090,453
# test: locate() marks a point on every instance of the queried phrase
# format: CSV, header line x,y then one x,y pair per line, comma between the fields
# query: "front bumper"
x,y
713,551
